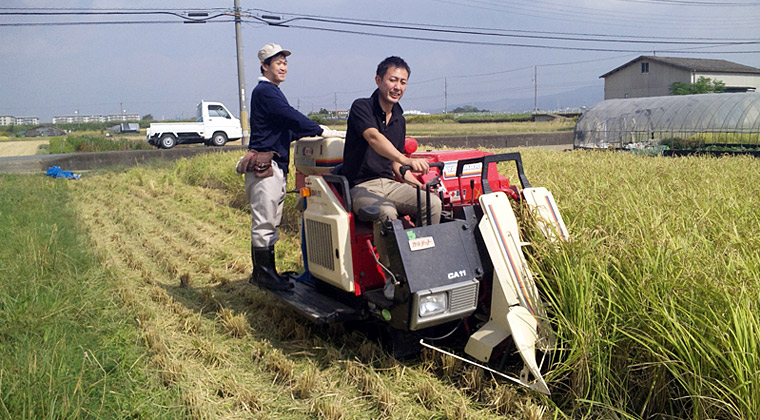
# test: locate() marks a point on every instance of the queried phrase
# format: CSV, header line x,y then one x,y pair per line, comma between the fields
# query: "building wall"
x,y
69,119
631,82
733,79
11,120
27,121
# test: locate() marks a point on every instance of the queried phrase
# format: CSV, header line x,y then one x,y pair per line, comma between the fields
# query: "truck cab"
x,y
214,126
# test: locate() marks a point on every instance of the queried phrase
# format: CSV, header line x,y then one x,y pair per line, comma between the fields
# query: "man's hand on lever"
x,y
417,165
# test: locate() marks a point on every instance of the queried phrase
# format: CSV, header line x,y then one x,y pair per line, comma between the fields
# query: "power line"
x,y
186,16
512,33
576,13
505,44
113,22
418,27
598,38
695,3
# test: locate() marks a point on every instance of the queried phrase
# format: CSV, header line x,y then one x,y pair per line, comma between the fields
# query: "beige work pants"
x,y
394,198
265,197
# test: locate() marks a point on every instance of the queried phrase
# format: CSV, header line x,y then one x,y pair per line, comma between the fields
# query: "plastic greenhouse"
x,y
672,122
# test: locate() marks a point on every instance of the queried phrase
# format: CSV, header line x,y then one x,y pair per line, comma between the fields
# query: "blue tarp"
x,y
57,172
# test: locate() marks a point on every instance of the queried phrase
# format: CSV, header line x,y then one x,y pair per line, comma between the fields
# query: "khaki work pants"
x,y
265,197
394,198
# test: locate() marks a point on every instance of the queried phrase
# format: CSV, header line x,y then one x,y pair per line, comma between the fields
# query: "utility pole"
x,y
445,96
535,90
241,77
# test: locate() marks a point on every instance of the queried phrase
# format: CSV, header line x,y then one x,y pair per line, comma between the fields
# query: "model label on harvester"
x,y
457,274
424,242
470,169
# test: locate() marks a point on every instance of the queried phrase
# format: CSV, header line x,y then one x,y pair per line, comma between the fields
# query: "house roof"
x,y
692,64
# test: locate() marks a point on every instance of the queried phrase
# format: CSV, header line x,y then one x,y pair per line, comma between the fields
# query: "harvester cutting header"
x,y
462,286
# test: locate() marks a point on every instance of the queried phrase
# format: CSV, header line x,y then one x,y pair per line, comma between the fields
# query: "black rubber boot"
x,y
265,271
255,273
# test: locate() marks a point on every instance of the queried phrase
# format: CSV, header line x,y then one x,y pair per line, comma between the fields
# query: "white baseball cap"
x,y
271,50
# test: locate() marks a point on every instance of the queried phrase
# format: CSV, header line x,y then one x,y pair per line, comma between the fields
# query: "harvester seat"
x,y
369,213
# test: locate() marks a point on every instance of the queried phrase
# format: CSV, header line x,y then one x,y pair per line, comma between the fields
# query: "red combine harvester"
x,y
461,287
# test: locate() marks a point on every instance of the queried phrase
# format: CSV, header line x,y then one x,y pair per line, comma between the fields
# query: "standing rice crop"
x,y
655,300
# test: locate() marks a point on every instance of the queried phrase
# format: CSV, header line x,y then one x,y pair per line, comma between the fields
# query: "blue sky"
x,y
165,68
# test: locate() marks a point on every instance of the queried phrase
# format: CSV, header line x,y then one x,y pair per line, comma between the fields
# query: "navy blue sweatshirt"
x,y
274,123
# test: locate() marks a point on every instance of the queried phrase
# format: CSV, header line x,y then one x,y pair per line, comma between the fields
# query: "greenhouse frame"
x,y
681,122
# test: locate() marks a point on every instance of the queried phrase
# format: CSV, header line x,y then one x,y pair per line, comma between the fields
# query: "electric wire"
x,y
491,29
577,13
511,44
441,29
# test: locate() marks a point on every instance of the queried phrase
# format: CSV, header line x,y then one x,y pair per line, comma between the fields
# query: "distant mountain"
x,y
571,99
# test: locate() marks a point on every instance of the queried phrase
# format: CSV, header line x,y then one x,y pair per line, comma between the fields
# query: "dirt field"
x,y
20,148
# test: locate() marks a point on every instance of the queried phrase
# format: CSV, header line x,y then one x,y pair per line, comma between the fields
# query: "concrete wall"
x,y
501,141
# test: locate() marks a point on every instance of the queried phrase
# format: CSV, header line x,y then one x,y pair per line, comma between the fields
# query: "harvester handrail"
x,y
504,157
487,160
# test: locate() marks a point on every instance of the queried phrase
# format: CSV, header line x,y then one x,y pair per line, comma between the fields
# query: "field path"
x,y
20,147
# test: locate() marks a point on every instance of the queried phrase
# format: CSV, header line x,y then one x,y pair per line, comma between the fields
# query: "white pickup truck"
x,y
214,127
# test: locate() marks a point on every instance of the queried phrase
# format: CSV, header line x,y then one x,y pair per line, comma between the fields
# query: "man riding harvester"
x,y
462,285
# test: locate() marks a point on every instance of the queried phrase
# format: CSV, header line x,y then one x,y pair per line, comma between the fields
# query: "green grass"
x,y
67,347
94,143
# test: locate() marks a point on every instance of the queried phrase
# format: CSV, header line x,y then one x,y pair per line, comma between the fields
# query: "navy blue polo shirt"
x,y
274,123
360,162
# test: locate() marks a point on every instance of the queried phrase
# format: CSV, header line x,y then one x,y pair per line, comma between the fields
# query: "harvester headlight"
x,y
433,304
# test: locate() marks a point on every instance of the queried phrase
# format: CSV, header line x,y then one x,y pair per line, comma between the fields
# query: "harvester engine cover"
x,y
438,271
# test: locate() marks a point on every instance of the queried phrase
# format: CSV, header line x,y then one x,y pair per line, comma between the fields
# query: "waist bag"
x,y
260,163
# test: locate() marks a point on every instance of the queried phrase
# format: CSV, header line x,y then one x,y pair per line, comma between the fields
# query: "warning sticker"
x,y
419,244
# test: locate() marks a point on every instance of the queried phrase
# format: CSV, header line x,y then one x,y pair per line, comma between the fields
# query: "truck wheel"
x,y
219,139
167,141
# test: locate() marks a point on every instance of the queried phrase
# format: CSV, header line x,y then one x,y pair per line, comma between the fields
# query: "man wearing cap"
x,y
274,124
